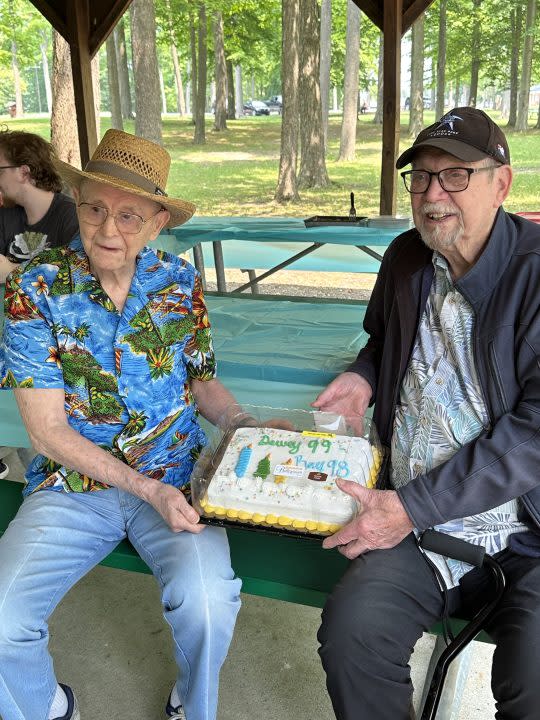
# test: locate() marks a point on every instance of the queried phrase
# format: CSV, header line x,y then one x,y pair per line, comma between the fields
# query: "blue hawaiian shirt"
x,y
125,374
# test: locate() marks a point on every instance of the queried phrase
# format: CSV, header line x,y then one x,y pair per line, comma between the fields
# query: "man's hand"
x,y
173,507
381,523
349,395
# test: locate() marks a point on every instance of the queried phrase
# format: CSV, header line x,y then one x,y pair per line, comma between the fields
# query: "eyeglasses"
x,y
453,179
125,222
5,167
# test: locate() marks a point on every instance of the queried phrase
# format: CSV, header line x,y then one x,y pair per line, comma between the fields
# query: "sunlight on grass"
x,y
235,172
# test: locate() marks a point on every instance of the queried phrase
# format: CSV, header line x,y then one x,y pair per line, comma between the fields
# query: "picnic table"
x,y
276,243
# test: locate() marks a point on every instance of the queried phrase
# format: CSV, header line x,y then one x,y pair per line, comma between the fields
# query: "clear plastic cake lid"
x,y
278,469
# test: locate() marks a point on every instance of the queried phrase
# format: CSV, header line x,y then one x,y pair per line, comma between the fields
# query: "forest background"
x,y
180,72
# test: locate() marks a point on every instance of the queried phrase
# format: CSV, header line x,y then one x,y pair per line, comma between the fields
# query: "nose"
x,y
109,226
435,190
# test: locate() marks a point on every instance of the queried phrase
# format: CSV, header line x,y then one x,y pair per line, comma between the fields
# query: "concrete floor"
x,y
111,645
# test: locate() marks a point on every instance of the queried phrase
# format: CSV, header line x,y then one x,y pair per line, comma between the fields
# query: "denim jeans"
x,y
56,538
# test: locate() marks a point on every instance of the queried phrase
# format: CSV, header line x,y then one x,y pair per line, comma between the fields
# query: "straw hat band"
x,y
106,168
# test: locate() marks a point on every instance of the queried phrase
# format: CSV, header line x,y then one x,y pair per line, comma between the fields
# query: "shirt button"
x,y
439,381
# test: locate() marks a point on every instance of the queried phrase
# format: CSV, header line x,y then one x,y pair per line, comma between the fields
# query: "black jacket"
x,y
503,288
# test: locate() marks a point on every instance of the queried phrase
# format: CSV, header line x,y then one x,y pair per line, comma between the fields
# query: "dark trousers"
x,y
388,598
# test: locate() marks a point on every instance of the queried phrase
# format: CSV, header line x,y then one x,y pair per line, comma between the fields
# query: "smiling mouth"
x,y
438,216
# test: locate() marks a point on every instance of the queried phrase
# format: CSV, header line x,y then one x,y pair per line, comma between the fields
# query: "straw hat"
x,y
133,164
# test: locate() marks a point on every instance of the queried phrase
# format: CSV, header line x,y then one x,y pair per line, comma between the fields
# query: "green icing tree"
x,y
263,468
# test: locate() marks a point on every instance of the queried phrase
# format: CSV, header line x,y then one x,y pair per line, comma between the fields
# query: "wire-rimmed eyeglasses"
x,y
452,179
125,222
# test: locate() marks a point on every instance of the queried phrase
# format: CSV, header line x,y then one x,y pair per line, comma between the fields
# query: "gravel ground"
x,y
344,286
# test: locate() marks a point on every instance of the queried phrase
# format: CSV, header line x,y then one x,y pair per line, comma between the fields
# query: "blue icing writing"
x,y
337,468
293,445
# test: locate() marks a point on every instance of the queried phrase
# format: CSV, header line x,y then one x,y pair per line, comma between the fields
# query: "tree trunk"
x,y
16,80
416,118
441,60
326,53
239,92
194,64
522,121
378,117
114,87
180,101
162,93
312,163
475,53
231,104
123,71
220,122
290,39
347,145
516,29
96,90
199,137
145,71
64,133
45,65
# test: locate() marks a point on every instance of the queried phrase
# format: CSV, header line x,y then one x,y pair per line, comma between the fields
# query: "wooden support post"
x,y
392,26
79,32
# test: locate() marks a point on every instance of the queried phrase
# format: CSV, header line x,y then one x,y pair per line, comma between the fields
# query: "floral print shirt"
x,y
441,409
125,374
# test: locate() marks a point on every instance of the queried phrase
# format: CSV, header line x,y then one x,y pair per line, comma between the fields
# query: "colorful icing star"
x,y
281,478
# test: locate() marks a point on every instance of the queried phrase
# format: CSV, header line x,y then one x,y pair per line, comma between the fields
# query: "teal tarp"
x,y
270,352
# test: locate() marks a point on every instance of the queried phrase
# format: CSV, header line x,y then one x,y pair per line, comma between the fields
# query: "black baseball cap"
x,y
465,132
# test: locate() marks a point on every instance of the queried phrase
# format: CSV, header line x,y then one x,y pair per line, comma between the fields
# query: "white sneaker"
x,y
4,470
174,713
73,706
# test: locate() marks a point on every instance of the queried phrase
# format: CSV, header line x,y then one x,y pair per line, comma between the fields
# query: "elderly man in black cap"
x,y
452,366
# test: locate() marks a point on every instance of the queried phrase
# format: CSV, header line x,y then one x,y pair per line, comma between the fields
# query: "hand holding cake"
x,y
380,524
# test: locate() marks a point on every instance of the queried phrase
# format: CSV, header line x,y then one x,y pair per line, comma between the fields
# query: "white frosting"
x,y
287,491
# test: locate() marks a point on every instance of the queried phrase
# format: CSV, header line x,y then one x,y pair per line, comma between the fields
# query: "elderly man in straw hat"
x,y
108,346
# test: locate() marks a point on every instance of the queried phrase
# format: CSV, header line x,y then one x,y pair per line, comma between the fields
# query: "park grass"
x,y
235,172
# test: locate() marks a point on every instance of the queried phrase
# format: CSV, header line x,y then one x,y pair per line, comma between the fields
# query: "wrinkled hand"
x,y
349,395
173,507
382,522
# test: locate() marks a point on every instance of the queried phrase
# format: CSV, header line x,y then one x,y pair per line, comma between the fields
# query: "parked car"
x,y
274,105
256,107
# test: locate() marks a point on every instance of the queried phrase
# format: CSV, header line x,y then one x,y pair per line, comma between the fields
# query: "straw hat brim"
x,y
180,210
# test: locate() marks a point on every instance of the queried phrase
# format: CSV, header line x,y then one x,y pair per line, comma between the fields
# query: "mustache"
x,y
437,208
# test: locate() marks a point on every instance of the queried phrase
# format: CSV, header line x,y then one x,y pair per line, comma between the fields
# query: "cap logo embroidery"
x,y
500,150
448,120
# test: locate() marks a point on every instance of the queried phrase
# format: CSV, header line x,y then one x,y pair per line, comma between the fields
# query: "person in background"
x,y
452,365
34,213
108,347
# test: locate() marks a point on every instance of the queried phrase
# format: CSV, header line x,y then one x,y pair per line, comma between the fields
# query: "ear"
x,y
25,174
160,220
503,183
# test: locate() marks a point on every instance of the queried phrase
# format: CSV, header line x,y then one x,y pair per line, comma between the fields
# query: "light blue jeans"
x,y
56,538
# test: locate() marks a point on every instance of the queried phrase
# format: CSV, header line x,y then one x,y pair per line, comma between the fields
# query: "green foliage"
x,y
235,173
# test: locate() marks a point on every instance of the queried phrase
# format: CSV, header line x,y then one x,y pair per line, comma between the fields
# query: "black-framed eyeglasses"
x,y
6,167
125,222
452,179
